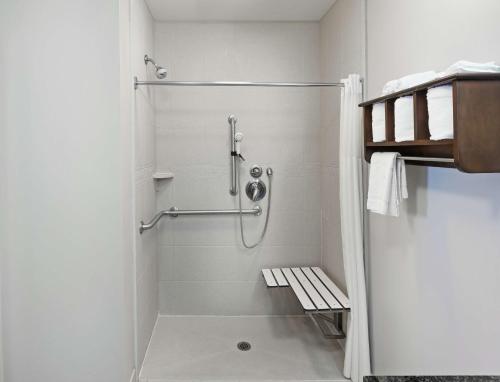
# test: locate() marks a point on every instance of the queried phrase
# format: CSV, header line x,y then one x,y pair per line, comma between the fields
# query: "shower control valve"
x,y
256,171
255,190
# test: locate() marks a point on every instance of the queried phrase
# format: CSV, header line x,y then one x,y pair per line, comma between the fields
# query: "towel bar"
x,y
428,159
174,212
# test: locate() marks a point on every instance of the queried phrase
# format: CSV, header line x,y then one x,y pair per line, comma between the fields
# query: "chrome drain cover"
x,y
244,346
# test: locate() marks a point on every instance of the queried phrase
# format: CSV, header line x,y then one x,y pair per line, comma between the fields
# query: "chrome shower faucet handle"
x,y
256,171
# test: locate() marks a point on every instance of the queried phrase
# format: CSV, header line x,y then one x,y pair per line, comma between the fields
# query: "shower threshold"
x,y
242,348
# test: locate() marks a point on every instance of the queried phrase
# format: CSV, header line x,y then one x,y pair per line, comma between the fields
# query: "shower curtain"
x,y
357,351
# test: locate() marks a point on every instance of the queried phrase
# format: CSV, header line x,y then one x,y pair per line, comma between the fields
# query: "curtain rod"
x,y
237,83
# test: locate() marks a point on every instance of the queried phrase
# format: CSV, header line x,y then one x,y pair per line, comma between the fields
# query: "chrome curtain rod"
x,y
174,212
238,83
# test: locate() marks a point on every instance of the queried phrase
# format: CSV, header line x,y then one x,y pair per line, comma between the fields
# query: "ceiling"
x,y
239,10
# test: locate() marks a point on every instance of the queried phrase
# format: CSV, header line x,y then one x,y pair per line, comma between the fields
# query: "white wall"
x,y
203,268
66,268
341,54
127,180
146,262
433,272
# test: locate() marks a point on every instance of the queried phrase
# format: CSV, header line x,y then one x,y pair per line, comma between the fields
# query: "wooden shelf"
x,y
475,147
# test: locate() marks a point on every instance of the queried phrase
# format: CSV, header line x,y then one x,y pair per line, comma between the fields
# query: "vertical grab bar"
x,y
232,123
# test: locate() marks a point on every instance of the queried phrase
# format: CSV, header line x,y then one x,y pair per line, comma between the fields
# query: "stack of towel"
x,y
403,108
440,99
440,108
463,66
403,119
387,184
408,82
378,122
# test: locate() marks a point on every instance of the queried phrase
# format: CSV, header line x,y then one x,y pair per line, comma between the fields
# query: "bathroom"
x,y
145,144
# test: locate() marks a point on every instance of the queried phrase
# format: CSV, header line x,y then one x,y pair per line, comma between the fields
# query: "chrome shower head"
x,y
160,71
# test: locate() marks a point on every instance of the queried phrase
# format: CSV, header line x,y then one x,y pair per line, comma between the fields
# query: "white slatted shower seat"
x,y
317,293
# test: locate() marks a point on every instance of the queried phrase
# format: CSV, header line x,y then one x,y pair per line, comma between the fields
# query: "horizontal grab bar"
x,y
174,212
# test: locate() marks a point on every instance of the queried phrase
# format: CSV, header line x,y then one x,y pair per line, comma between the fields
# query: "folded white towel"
x,y
387,184
408,81
440,99
378,122
463,66
403,119
440,107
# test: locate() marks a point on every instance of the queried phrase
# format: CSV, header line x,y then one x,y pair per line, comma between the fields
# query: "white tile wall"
x,y
340,56
145,196
203,268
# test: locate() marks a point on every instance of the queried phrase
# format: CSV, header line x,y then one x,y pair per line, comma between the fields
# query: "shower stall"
x,y
236,172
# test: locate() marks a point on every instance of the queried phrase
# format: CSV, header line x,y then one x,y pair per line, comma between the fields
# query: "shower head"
x,y
160,71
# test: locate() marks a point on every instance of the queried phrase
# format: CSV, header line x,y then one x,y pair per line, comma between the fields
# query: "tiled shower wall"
x,y
145,205
341,54
203,268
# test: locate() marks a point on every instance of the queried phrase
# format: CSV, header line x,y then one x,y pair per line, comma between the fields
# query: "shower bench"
x,y
320,298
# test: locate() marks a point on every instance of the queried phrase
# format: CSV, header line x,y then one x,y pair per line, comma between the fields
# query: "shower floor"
x,y
204,348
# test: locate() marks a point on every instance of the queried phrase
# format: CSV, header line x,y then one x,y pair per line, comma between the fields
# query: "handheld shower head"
x,y
160,71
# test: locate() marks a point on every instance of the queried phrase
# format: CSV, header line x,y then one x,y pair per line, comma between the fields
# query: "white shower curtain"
x,y
357,352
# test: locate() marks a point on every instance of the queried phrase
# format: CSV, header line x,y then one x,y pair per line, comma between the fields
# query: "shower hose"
x,y
264,230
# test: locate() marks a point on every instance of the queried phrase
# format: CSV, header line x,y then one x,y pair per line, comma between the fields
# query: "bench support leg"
x,y
330,326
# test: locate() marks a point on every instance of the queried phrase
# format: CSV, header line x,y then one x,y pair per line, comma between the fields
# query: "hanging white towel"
x,y
387,184
440,107
403,119
378,122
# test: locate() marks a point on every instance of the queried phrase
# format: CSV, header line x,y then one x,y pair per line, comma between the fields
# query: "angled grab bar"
x,y
174,212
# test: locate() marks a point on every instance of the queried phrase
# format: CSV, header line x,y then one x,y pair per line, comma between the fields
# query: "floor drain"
x,y
244,346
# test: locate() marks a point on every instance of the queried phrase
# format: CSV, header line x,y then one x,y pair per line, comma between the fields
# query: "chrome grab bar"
x,y
232,137
174,212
